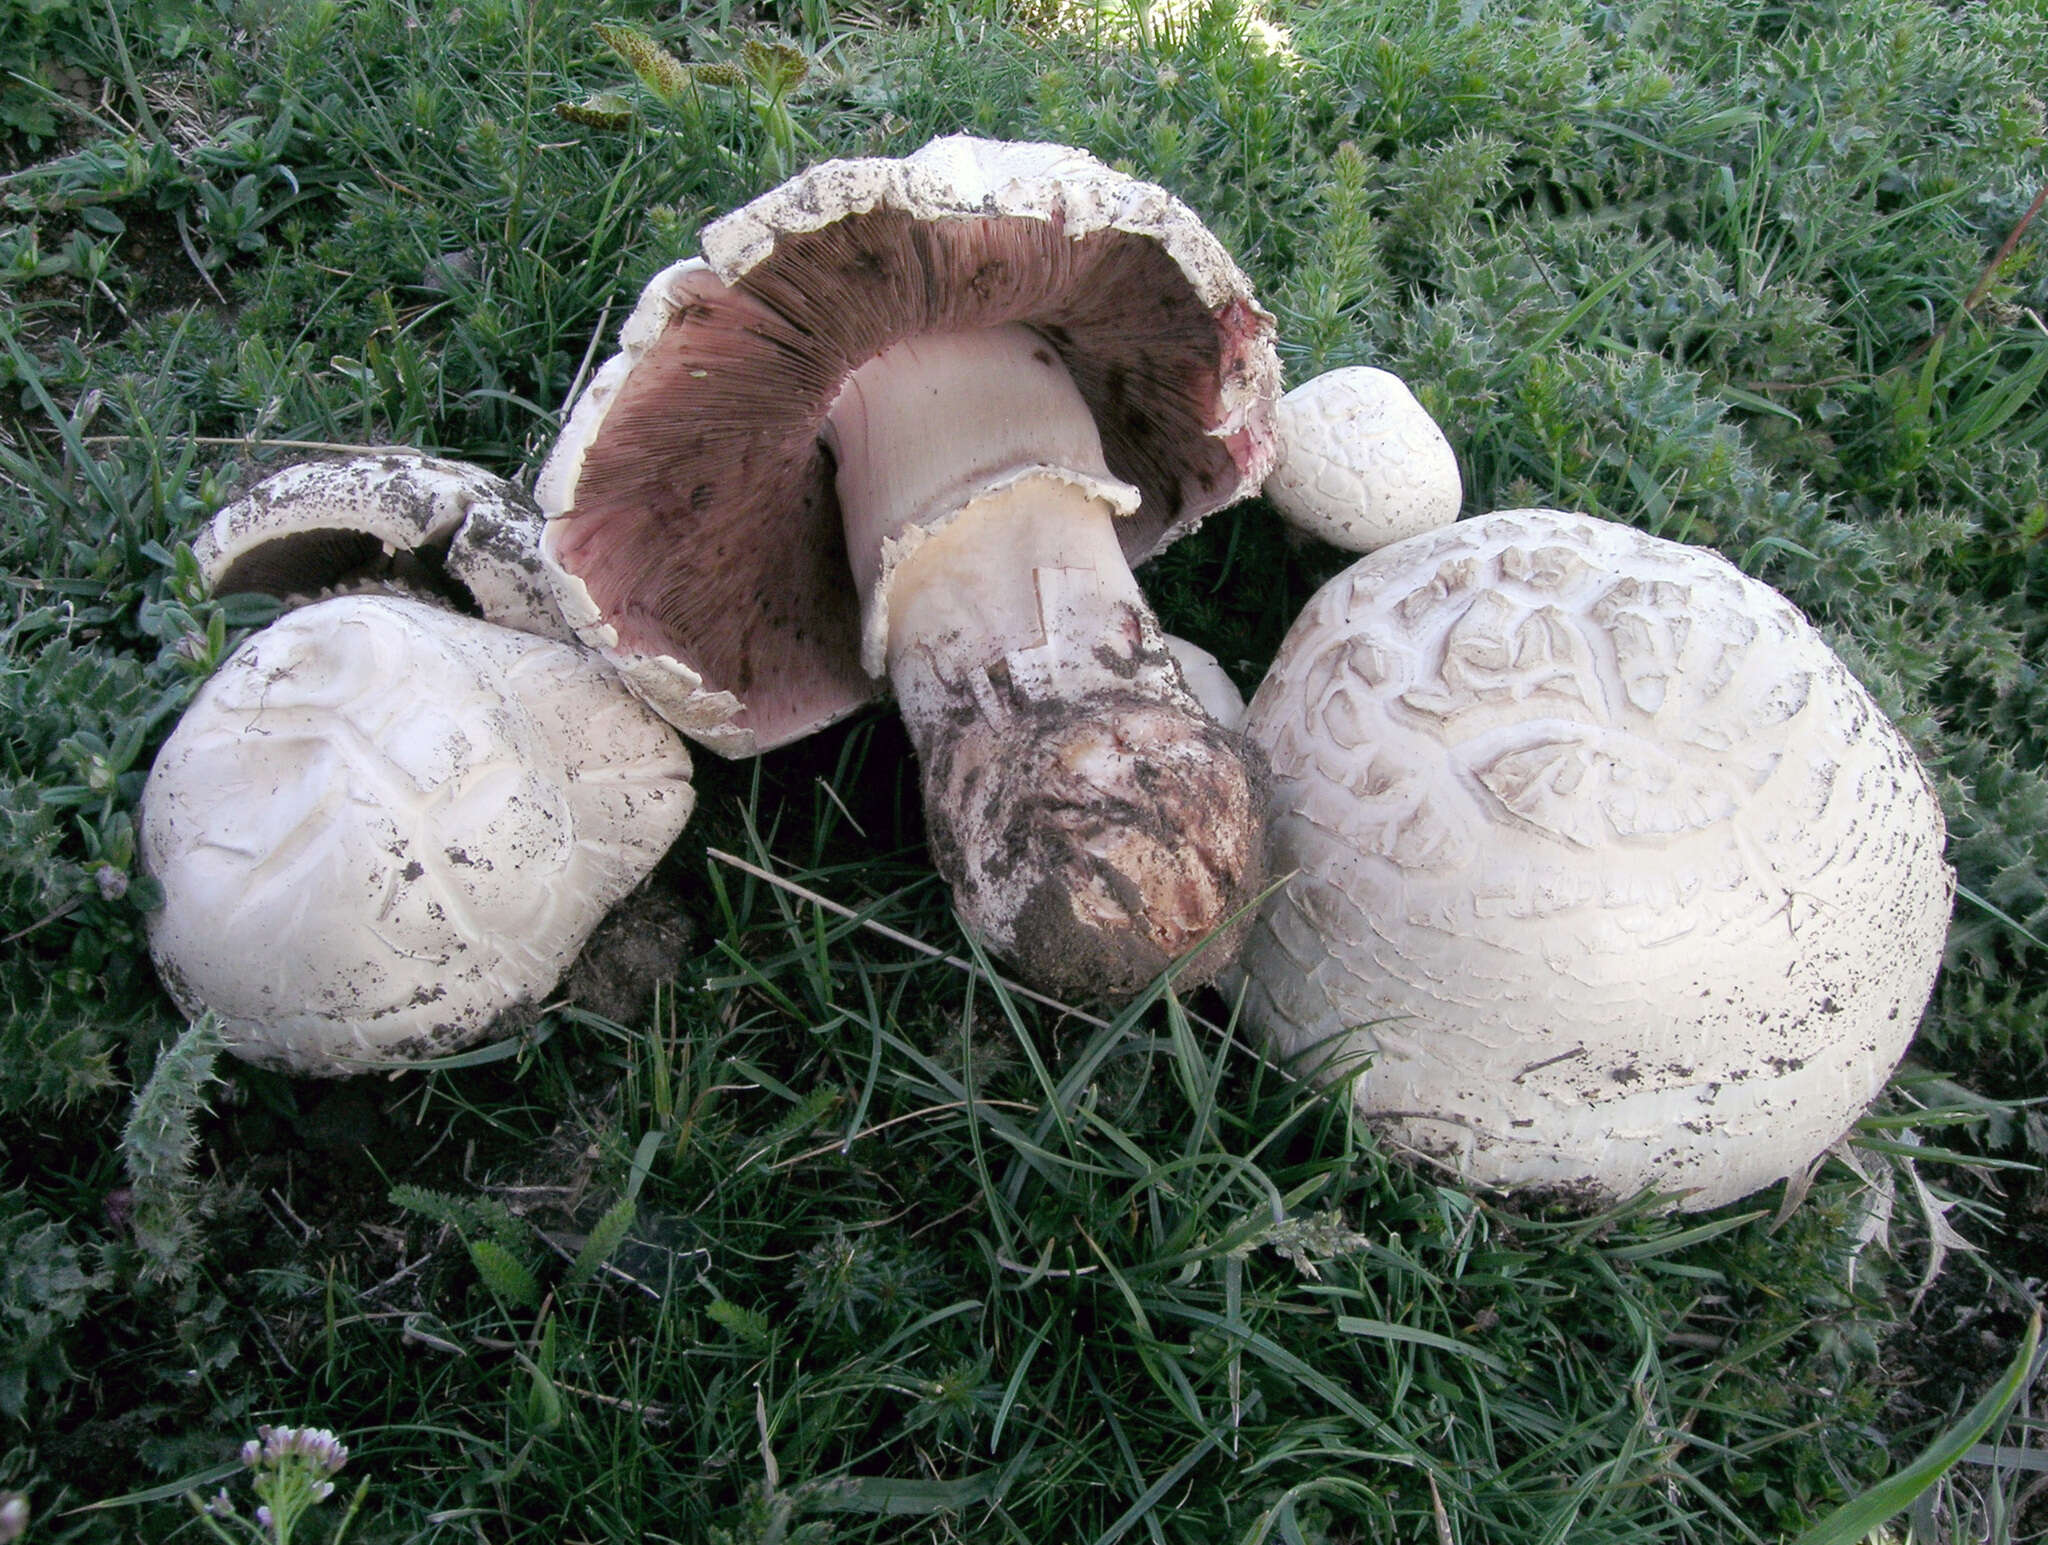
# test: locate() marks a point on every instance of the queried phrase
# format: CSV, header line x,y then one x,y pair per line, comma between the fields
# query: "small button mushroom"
x,y
380,825
1209,682
1362,463
1611,876
913,421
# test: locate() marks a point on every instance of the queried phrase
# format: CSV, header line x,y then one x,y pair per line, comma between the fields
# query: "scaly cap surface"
x,y
381,824
1618,875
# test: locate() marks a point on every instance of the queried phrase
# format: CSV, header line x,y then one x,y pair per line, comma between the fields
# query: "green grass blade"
x,y
1387,1330
2002,915
1683,1238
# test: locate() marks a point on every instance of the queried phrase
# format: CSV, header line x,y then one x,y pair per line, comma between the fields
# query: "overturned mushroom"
x,y
392,521
915,420
1362,463
1610,875
380,825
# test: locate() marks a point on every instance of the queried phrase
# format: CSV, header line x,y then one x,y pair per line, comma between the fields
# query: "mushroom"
x,y
915,420
389,521
1362,463
1611,876
380,825
1209,682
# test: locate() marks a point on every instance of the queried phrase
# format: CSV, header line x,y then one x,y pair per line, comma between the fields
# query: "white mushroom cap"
x,y
1606,861
391,519
694,527
380,824
1362,463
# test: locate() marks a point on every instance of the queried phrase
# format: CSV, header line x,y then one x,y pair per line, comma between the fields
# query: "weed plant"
x,y
835,1240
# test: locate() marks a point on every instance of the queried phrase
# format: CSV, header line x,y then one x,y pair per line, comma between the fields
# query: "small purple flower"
x,y
292,1465
13,1516
220,1506
321,1450
326,1452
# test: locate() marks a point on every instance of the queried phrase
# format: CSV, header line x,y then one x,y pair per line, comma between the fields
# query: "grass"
x,y
832,1239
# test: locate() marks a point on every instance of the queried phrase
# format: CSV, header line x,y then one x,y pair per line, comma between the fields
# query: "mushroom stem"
x,y
1096,825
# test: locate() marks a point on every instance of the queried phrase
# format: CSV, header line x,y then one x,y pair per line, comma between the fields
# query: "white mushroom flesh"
x,y
380,825
1362,464
1094,821
1611,876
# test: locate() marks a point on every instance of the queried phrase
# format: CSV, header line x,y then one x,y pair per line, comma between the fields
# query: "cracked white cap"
x,y
1607,863
693,525
390,520
1362,463
380,824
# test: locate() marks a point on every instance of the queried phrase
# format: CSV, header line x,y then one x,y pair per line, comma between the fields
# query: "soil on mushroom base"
x,y
1039,818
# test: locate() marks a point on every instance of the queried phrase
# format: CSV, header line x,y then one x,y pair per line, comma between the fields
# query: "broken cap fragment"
x,y
391,521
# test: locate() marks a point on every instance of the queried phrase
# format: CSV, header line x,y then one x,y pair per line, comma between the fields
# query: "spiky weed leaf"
x,y
606,1235
45,1289
504,1273
158,1145
749,1327
483,1216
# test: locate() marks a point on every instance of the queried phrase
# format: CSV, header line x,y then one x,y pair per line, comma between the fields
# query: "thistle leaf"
x,y
504,1273
158,1145
484,1215
746,1325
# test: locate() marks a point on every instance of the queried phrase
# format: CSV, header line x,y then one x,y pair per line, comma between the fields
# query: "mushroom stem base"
x,y
1095,824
